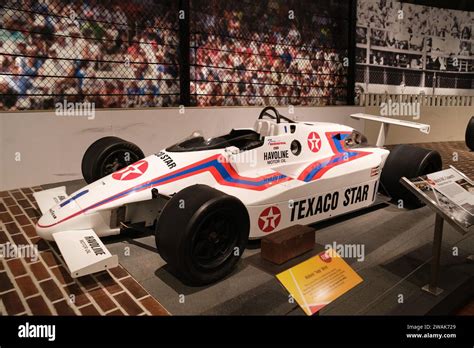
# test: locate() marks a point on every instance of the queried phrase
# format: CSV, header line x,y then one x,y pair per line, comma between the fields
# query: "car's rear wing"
x,y
386,121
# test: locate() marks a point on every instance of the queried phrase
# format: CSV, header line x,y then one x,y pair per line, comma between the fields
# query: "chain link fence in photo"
x,y
269,52
125,54
116,54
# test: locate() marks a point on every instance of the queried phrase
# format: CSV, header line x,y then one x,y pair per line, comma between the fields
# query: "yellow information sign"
x,y
318,281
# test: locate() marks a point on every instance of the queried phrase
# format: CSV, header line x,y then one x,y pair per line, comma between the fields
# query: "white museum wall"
x,y
51,147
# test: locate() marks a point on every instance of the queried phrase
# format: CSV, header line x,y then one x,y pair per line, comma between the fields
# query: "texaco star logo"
x,y
269,219
314,141
131,172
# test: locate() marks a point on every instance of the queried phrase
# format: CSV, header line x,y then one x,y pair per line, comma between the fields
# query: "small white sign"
x,y
84,252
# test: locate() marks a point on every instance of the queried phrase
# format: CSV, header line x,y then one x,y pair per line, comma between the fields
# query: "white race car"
x,y
204,198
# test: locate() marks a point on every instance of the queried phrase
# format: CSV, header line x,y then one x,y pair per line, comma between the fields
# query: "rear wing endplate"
x,y
386,121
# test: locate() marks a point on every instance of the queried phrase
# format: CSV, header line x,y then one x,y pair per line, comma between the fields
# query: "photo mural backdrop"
x,y
415,48
125,54
113,53
282,52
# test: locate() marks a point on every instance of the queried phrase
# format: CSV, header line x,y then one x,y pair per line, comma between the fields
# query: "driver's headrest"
x,y
269,128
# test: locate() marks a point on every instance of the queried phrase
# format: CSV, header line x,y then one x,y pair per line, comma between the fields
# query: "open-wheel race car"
x,y
204,198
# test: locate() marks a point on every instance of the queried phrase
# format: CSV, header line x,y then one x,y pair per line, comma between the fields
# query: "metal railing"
x,y
375,99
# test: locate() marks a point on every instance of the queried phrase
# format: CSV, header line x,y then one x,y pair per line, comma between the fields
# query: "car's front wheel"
x,y
107,155
202,233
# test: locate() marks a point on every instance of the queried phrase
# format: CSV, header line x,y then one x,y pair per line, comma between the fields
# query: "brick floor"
x,y
41,285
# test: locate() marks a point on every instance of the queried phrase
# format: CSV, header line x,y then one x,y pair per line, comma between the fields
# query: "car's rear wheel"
x,y
470,134
410,162
202,233
107,155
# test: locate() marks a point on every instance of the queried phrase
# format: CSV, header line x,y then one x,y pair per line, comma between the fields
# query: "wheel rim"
x,y
116,160
214,241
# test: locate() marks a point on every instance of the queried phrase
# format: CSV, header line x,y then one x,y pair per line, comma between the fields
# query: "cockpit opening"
x,y
244,139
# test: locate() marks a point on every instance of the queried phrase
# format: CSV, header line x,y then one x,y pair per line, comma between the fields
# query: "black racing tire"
x,y
202,233
107,155
410,162
470,134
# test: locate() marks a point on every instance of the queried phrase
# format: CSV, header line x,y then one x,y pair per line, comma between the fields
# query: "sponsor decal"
x,y
328,202
314,142
269,219
90,244
375,171
53,213
273,157
276,143
131,172
167,159
94,245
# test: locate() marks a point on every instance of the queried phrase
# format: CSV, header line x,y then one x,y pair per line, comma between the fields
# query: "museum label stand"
x,y
446,210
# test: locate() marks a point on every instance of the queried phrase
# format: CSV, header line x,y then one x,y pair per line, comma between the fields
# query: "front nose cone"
x,y
46,225
43,231
63,216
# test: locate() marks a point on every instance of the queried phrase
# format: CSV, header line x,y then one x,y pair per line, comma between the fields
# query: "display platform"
x,y
396,264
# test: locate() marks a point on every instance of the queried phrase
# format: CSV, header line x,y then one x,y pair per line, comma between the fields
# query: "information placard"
x,y
451,192
319,280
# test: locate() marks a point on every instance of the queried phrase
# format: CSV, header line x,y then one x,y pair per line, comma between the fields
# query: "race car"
x,y
203,198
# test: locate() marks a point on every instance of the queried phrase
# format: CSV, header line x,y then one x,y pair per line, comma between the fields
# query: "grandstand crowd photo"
x,y
141,53
126,54
113,53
